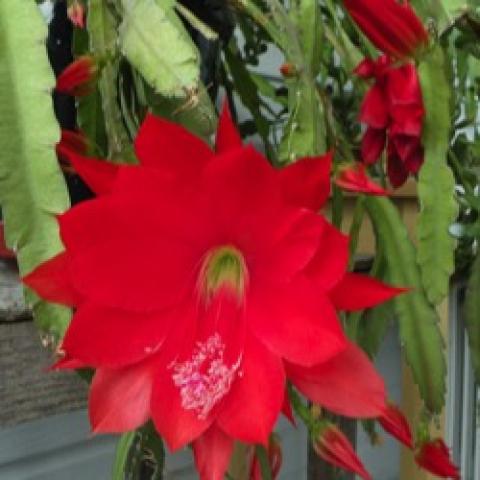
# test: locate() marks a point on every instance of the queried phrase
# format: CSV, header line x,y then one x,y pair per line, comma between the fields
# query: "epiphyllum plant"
x,y
200,276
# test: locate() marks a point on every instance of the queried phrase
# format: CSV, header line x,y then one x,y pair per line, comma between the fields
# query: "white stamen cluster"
x,y
205,379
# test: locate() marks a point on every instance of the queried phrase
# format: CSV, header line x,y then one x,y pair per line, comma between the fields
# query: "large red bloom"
x,y
391,25
392,110
201,281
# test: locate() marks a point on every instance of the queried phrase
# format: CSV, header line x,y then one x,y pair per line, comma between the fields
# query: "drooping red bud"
x,y
434,456
76,13
333,446
394,422
391,25
77,79
5,252
354,179
275,458
288,70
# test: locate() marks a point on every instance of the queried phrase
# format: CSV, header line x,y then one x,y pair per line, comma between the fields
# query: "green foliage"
x,y
472,315
438,208
140,455
418,321
102,29
32,188
154,40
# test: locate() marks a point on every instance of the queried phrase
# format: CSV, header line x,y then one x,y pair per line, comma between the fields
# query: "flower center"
x,y
223,267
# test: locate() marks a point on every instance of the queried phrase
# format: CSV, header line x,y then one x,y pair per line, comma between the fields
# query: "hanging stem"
x,y
262,455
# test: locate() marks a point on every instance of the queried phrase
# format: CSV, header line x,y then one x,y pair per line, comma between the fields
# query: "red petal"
x,y
348,384
170,147
397,173
334,447
107,337
373,143
354,179
120,399
249,413
212,453
227,133
98,174
394,422
329,264
434,456
287,409
403,86
76,79
356,292
297,322
306,183
5,252
162,272
374,108
52,281
298,233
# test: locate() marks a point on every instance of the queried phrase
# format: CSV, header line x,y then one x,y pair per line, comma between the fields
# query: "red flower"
x,y
274,459
354,179
198,276
391,25
76,13
434,457
78,77
392,106
395,423
333,446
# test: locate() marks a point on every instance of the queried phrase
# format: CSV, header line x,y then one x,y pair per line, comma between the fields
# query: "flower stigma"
x,y
223,267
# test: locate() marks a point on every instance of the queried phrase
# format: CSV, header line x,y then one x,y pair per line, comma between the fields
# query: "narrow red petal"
x,y
374,108
76,79
170,147
120,399
249,412
356,292
297,322
98,174
51,280
334,447
348,384
212,452
5,252
113,338
354,179
306,183
373,143
394,422
227,133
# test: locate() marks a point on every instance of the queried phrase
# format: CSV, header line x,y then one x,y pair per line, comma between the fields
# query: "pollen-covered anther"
x,y
204,379
223,268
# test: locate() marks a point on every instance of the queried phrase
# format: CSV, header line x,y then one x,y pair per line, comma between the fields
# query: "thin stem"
x,y
358,215
262,455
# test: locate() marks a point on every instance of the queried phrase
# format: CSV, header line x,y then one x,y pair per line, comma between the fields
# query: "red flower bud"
x,y
354,179
76,14
333,446
275,458
391,25
5,252
71,141
434,457
394,422
288,70
78,77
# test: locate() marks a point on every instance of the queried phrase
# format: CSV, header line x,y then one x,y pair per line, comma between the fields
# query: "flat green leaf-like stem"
x,y
32,188
420,335
438,208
